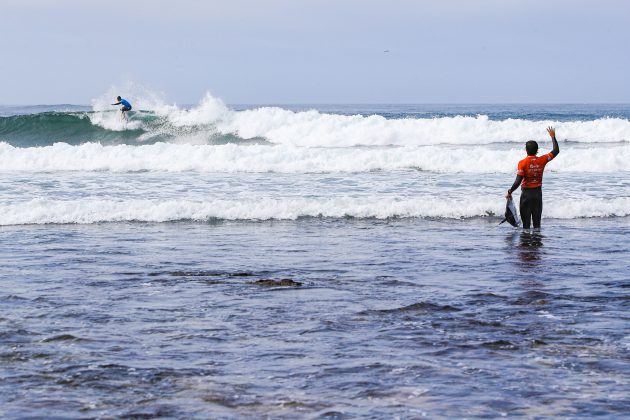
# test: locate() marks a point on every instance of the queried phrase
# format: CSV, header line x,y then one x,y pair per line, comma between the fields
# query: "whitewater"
x,y
212,161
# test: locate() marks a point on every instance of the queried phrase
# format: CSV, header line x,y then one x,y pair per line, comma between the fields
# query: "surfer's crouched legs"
x,y
531,206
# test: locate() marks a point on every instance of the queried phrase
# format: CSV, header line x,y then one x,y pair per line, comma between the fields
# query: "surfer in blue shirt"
x,y
126,106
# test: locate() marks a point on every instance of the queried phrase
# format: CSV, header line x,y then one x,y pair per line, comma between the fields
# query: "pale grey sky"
x,y
318,51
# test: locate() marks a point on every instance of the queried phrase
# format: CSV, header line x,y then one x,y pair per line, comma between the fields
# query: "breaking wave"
x,y
212,122
291,159
92,210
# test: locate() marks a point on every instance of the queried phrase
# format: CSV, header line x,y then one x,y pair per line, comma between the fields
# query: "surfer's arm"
x,y
117,103
517,182
552,134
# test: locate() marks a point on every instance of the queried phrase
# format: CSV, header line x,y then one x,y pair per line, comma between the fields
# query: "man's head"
x,y
118,98
531,147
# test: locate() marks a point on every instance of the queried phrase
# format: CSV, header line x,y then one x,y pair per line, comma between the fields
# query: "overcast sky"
x,y
318,51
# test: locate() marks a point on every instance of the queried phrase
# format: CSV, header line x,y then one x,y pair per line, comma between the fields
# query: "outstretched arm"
x,y
514,186
552,134
117,103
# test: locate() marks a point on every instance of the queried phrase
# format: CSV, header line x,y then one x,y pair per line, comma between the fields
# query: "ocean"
x,y
317,261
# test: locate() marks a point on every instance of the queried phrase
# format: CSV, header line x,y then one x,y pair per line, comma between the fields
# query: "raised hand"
x,y
552,132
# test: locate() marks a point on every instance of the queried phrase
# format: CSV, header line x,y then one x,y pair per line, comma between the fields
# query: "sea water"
x,y
311,261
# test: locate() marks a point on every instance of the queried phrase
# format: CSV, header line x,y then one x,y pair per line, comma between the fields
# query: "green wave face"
x,y
74,128
52,127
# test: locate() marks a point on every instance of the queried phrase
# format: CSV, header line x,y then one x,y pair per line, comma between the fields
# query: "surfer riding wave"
x,y
126,106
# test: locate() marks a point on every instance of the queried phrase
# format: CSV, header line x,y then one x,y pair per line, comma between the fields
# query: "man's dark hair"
x,y
119,98
531,147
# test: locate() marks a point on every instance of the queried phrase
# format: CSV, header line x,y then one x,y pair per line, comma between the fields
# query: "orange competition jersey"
x,y
531,169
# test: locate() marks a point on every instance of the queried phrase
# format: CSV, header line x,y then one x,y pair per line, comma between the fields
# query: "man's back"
x,y
531,169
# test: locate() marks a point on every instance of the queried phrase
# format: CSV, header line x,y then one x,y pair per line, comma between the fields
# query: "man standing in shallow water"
x,y
529,176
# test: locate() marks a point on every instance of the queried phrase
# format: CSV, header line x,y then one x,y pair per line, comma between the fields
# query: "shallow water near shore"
x,y
397,317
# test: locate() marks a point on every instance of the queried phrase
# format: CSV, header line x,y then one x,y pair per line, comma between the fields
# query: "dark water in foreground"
x,y
393,318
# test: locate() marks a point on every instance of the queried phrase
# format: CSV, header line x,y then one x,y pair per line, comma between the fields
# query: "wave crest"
x,y
91,210
212,122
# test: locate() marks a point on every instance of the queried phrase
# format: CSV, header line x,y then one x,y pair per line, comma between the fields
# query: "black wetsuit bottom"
x,y
125,108
531,206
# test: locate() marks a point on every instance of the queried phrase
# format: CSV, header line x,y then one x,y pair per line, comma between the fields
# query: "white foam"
x,y
107,116
113,120
290,159
316,129
93,210
141,97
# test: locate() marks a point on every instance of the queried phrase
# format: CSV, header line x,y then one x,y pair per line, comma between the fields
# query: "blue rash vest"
x,y
124,103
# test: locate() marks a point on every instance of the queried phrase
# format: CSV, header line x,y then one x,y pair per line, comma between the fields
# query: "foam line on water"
x,y
94,210
290,159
